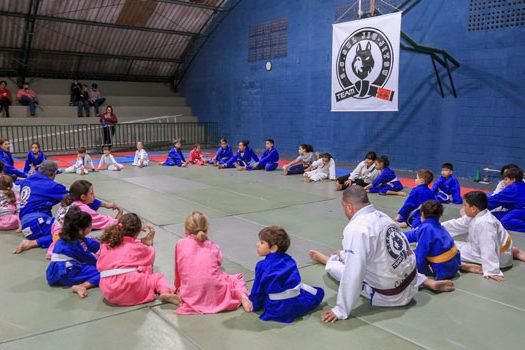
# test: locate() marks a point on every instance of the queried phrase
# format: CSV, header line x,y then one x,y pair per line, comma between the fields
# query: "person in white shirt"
x,y
141,156
323,168
376,261
363,175
108,159
488,243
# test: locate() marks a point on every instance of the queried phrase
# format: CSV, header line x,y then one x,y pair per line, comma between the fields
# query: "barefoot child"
x,y
323,168
242,158
141,156
196,155
35,157
223,154
73,262
436,251
299,165
488,244
199,280
9,200
446,187
409,214
126,265
82,164
387,182
277,288
175,157
108,160
268,160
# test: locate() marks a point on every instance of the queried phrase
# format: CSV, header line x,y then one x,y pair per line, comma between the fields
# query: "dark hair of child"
x,y
371,156
76,190
326,155
35,143
196,145
275,235
224,140
106,148
74,221
175,141
514,174
477,199
1,165
307,148
245,143
448,166
432,209
507,167
425,175
270,141
384,160
128,226
6,184
81,149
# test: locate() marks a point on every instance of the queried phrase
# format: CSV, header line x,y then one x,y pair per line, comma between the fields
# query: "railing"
x,y
57,138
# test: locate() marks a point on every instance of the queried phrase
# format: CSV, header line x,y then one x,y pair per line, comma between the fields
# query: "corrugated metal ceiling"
x,y
117,39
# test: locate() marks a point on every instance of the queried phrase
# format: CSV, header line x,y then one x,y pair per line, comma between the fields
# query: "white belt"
x,y
116,272
62,257
444,195
292,293
391,182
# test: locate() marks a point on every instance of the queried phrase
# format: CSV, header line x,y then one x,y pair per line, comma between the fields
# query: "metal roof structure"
x,y
138,40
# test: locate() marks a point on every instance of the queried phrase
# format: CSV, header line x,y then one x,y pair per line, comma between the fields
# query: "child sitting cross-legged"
x,y
447,187
126,265
108,159
436,251
410,214
387,182
277,288
196,155
82,164
323,168
175,157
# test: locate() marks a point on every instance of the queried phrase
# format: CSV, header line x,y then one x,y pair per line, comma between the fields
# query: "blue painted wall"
x,y
484,126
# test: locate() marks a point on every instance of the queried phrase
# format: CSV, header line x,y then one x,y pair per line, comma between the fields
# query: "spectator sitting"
x,y
95,99
83,101
5,98
75,90
27,97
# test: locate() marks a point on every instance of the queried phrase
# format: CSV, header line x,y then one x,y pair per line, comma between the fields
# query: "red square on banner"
x,y
383,94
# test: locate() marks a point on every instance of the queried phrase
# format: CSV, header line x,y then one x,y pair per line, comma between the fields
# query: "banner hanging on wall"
x,y
365,64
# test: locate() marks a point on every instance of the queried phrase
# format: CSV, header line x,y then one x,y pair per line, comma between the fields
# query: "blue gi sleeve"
x,y
253,156
233,159
504,198
95,205
423,248
435,186
412,235
258,294
11,170
379,180
83,256
92,244
27,167
456,192
409,206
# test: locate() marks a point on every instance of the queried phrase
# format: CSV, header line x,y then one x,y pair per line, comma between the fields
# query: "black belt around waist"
x,y
400,288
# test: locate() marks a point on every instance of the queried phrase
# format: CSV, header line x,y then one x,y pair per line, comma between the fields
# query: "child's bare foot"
x,y
246,303
170,298
338,186
318,257
285,171
516,252
19,229
495,278
439,286
399,193
472,268
26,244
80,290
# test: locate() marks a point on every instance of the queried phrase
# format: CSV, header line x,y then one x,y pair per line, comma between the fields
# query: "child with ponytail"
x,y
126,265
202,285
73,260
9,201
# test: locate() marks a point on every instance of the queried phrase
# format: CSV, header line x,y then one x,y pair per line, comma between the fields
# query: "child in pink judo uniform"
x,y
9,219
126,265
200,282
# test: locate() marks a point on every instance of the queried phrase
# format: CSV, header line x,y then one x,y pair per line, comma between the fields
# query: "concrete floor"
x,y
480,314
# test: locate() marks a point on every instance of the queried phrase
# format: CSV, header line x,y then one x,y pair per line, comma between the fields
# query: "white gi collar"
x,y
365,210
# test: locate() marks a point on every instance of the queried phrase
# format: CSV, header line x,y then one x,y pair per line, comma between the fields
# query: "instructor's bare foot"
x,y
472,268
318,257
439,286
170,298
246,303
518,253
26,244
80,290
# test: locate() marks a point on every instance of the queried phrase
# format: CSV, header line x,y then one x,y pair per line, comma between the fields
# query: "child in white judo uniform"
x,y
82,164
108,159
323,168
141,156
376,261
488,243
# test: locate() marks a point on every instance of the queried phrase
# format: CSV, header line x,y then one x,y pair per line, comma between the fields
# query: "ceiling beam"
x,y
191,4
99,24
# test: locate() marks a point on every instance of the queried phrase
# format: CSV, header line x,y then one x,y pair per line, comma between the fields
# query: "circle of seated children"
x,y
365,268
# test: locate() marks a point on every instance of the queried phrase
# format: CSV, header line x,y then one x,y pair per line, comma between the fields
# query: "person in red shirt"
x,y
108,120
5,98
27,97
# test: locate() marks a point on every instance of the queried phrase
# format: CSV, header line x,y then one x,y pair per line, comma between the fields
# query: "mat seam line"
x,y
492,300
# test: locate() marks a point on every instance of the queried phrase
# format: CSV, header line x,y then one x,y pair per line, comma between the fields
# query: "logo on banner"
x,y
364,64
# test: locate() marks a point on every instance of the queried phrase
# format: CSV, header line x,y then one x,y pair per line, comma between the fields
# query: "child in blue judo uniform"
x,y
242,158
5,156
277,288
73,262
38,194
223,154
268,160
35,157
510,201
446,187
387,182
175,157
436,251
410,214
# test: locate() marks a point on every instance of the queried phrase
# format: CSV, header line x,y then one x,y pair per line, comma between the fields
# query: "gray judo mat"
x,y
166,183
